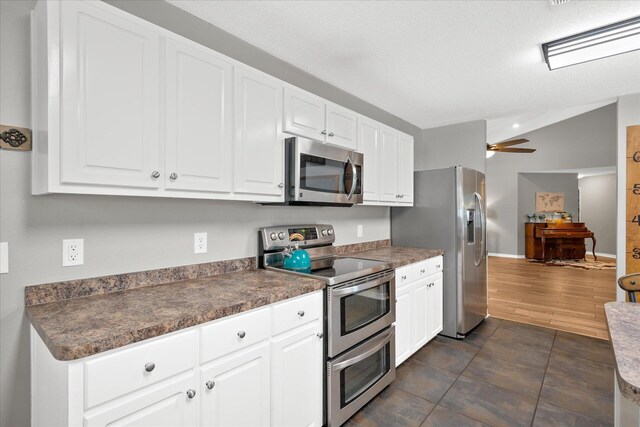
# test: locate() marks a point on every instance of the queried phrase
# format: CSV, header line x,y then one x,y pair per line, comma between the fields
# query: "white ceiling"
x,y
434,63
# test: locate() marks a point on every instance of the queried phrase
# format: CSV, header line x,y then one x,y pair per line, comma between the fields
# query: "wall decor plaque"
x,y
15,138
549,202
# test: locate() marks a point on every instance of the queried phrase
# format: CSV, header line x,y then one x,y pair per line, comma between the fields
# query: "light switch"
x,y
4,257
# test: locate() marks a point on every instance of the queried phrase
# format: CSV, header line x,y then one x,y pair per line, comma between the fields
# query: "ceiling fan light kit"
x,y
610,40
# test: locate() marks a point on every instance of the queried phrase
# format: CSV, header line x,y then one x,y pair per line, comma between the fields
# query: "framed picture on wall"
x,y
549,202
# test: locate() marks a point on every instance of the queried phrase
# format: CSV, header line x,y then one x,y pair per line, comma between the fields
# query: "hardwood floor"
x,y
563,298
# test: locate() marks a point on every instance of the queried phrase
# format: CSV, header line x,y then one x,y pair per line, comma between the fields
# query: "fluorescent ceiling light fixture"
x,y
610,40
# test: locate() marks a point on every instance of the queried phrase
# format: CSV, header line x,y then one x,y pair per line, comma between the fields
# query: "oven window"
x,y
327,176
360,309
359,377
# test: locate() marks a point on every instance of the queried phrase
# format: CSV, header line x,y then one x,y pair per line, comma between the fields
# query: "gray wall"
x,y
459,144
531,183
584,141
124,234
598,209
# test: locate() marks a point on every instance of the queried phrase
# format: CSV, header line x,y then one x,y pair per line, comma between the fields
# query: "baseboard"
x,y
603,255
508,255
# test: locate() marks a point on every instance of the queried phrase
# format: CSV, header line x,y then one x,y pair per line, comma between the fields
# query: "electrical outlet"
x,y
4,257
199,243
359,230
72,252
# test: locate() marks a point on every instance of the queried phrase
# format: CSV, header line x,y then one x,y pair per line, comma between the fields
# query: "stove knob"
x,y
324,232
281,235
330,232
273,236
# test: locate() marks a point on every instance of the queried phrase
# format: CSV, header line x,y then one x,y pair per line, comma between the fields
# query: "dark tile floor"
x,y
503,374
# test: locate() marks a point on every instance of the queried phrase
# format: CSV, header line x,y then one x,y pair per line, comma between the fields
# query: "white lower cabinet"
x,y
235,389
258,368
418,306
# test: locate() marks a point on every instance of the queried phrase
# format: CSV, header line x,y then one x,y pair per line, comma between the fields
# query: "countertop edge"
x,y
629,390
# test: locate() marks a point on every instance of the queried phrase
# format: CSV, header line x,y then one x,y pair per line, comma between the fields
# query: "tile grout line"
x,y
535,410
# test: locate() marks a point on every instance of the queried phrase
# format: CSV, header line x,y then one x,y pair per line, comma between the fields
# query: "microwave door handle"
x,y
377,344
362,287
354,172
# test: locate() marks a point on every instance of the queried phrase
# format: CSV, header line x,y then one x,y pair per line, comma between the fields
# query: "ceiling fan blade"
x,y
515,150
510,143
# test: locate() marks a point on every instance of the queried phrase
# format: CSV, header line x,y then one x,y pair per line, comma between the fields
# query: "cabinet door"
x,y
421,314
199,119
435,305
388,164
259,147
296,372
342,127
403,324
110,97
304,114
165,404
239,393
369,146
405,169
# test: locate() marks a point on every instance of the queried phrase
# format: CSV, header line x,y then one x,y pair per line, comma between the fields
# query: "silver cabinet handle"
x,y
173,176
330,134
324,132
431,284
422,271
210,384
191,393
281,185
241,334
438,266
320,335
155,174
401,196
149,366
404,277
301,313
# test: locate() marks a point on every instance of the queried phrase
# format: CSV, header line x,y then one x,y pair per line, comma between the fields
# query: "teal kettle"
x,y
297,260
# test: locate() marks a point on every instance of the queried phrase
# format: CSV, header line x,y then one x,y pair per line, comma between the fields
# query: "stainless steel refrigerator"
x,y
449,213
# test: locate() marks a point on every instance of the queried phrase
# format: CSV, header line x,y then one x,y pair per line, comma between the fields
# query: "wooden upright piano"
x,y
548,240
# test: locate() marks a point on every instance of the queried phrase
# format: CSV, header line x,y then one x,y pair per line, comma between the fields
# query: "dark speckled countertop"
x,y
623,321
80,327
83,317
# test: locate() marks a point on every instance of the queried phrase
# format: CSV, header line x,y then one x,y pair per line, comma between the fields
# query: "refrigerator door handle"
x,y
483,225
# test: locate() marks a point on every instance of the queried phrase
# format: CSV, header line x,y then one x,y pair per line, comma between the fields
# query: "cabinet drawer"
x,y
404,275
240,331
427,267
299,311
127,370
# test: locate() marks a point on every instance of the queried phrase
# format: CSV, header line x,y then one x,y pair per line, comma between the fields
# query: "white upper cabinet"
x,y
405,170
389,141
259,144
304,114
342,127
198,102
312,117
369,146
110,104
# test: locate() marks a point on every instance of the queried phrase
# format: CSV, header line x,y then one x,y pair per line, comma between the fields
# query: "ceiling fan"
x,y
504,147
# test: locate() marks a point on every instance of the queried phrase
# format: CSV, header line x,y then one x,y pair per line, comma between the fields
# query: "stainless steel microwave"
x,y
319,174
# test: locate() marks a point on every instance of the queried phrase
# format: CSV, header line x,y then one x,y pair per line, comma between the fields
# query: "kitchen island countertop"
x,y
623,321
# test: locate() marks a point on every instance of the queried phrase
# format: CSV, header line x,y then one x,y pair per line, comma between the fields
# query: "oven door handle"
x,y
362,287
377,343
354,172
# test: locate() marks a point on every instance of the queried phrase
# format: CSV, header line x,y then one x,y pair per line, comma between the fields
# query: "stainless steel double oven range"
x,y
359,315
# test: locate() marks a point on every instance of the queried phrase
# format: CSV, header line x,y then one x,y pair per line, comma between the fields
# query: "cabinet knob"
x,y
430,284
422,271
191,393
241,334
330,134
301,313
320,335
324,132
155,174
437,265
404,277
210,384
173,176
149,366
401,196
281,185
